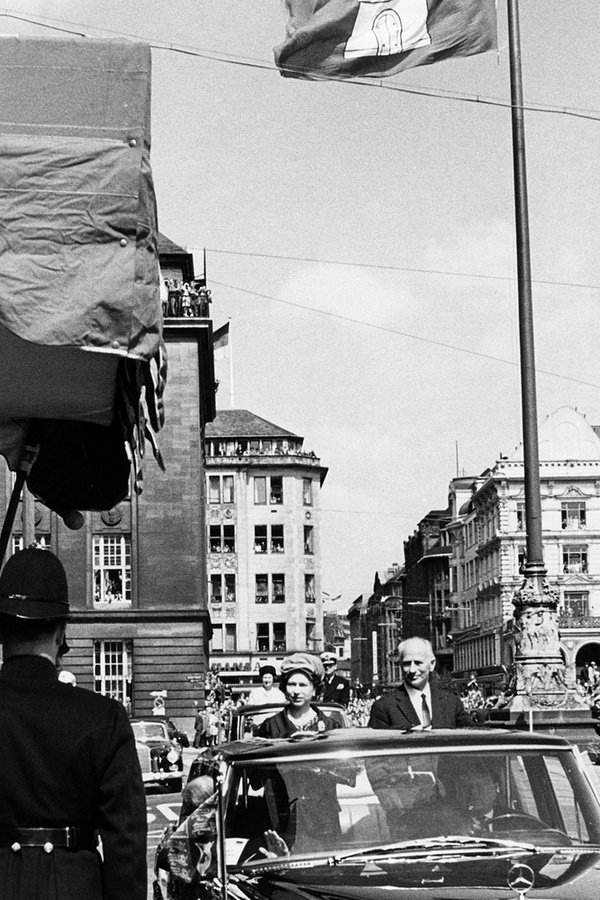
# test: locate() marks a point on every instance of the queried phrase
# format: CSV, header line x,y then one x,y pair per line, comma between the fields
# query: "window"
x,y
260,489
268,487
228,491
520,516
112,569
214,489
271,637
277,545
311,636
576,604
522,558
309,588
41,541
221,538
307,499
263,637
216,592
230,588
276,489
224,639
279,640
574,559
262,542
308,539
278,588
262,589
113,667
572,514
230,638
260,538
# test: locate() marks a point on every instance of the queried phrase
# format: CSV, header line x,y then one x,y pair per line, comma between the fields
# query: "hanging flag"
x,y
357,38
221,342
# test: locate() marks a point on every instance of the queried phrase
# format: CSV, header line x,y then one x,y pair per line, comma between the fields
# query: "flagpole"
x,y
230,343
539,665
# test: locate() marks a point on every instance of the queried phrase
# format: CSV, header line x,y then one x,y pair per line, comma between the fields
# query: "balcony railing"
x,y
570,621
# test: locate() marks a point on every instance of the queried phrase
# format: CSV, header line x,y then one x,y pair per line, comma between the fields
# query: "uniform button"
x,y
132,142
123,242
15,847
48,847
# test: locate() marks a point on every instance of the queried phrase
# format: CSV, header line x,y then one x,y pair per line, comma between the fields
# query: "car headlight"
x,y
173,756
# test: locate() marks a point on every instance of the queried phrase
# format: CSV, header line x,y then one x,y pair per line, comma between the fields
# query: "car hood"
x,y
557,876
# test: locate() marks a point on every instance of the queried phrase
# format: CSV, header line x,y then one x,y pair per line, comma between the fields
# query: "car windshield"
x,y
149,731
337,805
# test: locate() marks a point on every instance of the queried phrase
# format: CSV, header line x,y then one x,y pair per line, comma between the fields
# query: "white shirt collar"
x,y
416,695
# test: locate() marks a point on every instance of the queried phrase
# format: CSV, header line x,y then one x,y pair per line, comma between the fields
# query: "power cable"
x,y
389,330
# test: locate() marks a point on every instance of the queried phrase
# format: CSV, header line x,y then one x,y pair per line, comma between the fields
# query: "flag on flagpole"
x,y
221,342
377,38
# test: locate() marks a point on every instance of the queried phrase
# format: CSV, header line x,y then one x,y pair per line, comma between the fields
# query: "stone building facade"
x,y
487,535
263,542
137,572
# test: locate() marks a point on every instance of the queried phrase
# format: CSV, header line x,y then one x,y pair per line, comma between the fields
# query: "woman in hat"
x,y
301,679
267,693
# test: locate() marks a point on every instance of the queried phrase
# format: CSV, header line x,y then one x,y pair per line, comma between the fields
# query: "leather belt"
x,y
68,837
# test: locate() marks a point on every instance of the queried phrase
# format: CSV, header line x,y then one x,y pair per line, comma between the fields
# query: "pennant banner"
x,y
377,38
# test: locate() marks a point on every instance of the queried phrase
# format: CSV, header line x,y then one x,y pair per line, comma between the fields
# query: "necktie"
x,y
425,714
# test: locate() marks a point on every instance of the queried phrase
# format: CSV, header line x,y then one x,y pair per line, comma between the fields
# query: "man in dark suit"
x,y
418,702
69,770
335,688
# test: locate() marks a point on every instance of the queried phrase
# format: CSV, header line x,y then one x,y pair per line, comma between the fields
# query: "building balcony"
x,y
574,622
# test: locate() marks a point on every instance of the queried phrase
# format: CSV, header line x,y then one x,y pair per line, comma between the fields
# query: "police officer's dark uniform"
x,y
336,689
68,764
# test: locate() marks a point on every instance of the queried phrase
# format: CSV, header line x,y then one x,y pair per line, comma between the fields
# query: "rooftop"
x,y
241,423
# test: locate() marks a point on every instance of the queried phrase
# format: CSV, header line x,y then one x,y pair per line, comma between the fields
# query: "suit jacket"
x,y
68,757
395,710
336,691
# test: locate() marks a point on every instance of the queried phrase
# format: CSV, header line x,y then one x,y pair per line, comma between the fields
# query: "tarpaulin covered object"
x,y
80,312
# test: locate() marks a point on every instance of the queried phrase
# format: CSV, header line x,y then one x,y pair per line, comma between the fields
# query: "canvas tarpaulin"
x,y
80,313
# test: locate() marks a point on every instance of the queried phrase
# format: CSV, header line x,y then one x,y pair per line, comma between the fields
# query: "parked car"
x,y
159,751
246,719
358,813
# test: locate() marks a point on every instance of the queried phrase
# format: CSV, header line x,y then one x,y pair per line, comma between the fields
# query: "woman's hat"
x,y
306,663
33,585
267,670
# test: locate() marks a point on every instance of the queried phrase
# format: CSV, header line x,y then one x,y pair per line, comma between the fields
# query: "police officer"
x,y
335,688
69,770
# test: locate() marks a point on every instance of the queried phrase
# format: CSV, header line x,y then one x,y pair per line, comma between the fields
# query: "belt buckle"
x,y
70,836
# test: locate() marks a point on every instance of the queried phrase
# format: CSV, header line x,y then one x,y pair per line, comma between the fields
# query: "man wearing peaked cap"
x,y
69,770
336,689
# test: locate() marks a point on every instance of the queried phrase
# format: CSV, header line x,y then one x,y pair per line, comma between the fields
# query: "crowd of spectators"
x,y
182,300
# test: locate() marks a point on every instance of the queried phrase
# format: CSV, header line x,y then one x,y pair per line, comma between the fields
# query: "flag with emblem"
x,y
376,38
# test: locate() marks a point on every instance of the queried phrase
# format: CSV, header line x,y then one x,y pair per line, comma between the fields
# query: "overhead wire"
x,y
249,62
421,270
396,331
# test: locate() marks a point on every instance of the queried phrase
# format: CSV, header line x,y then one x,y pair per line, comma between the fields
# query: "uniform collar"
x,y
31,667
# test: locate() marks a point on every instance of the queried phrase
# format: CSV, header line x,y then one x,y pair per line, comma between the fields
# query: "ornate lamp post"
x,y
540,668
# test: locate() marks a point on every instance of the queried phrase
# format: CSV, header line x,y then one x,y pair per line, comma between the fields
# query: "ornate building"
x,y
487,535
263,534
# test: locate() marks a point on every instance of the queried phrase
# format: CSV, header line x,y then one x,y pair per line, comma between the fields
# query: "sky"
x,y
361,239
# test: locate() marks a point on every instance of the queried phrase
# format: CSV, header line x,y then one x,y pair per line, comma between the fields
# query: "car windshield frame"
x,y
143,731
362,780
